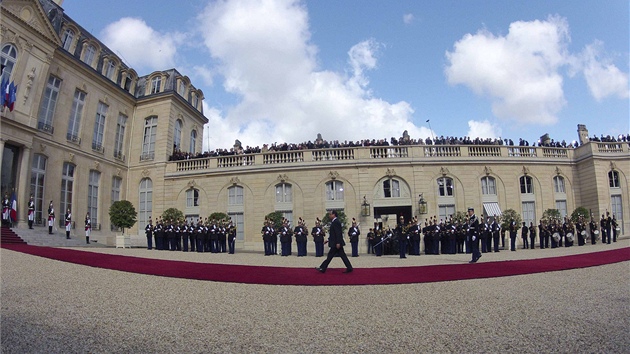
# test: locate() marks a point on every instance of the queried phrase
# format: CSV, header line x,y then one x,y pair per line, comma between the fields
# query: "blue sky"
x,y
276,71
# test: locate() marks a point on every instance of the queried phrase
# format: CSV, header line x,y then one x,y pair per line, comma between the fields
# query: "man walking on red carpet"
x,y
336,243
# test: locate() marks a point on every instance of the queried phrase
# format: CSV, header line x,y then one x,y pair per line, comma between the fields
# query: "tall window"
x,y
526,185
92,195
99,127
193,141
116,184
445,186
110,69
177,135
145,203
67,184
181,87
66,39
75,116
38,174
488,185
88,56
120,136
239,221
148,142
558,184
529,212
284,194
8,59
613,179
49,102
391,188
195,100
156,82
192,198
445,211
561,205
235,195
334,190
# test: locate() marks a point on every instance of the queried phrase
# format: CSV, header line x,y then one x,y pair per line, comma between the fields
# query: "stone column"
x,y
23,186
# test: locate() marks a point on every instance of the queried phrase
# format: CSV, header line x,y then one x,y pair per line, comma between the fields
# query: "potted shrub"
x,y
122,214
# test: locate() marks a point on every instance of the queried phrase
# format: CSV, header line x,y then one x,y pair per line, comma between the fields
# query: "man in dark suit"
x,y
336,243
473,235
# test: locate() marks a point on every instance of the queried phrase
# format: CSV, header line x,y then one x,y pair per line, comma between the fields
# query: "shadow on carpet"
x,y
309,276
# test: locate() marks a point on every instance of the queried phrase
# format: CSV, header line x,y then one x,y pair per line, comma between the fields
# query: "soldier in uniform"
x,y
222,238
353,234
266,236
157,233
192,235
593,228
485,236
148,230
613,224
603,228
414,236
370,241
532,234
183,231
496,233
51,217
231,232
318,238
524,235
31,212
569,232
6,207
68,222
88,228
513,230
378,240
301,237
473,226
284,233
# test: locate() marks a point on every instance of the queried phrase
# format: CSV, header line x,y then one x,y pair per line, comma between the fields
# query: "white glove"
x,y
474,238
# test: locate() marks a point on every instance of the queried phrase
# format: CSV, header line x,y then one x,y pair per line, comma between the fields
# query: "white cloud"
x,y
408,18
483,129
602,77
519,72
140,46
266,58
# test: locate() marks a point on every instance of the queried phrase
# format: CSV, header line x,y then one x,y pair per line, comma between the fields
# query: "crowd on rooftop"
x,y
320,143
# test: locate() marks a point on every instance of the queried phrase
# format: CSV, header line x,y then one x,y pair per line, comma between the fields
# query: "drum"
x,y
556,236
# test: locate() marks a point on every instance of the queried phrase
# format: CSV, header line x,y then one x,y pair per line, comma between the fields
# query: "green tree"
x,y
122,214
551,216
342,218
276,217
580,211
459,216
508,216
172,214
218,216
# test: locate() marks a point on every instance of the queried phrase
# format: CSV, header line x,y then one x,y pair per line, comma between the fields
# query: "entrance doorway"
x,y
404,211
10,165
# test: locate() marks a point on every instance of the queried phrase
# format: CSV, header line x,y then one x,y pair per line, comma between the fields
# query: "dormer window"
x,y
156,84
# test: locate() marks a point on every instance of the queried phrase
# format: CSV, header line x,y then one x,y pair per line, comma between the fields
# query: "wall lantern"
x,y
422,204
365,207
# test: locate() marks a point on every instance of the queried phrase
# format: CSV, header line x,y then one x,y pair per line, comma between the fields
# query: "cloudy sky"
x,y
286,70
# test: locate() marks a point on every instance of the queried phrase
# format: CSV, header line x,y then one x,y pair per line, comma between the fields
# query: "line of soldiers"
x,y
214,236
285,235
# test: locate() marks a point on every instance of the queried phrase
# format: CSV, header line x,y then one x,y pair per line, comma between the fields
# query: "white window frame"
x,y
148,142
334,190
446,188
99,127
92,195
145,203
488,185
526,184
49,104
284,193
119,139
75,116
235,195
559,185
38,181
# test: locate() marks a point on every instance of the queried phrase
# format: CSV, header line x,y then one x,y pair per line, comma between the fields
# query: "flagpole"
x,y
431,129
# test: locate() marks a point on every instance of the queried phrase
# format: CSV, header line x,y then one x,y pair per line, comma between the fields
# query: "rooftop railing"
x,y
393,153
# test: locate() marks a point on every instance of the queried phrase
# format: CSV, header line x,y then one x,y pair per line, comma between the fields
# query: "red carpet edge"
x,y
309,276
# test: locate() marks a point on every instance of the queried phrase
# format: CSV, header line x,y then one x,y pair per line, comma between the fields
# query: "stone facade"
x,y
38,149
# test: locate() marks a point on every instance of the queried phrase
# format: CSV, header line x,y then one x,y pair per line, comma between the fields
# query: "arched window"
x,y
527,186
38,177
156,84
391,188
145,203
558,184
177,136
284,194
613,179
334,190
90,53
488,186
235,195
66,39
193,141
192,198
8,59
445,186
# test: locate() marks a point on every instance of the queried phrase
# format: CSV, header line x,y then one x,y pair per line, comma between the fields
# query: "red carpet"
x,y
309,276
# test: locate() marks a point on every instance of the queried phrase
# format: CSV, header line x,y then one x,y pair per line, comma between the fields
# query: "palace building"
x,y
87,130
